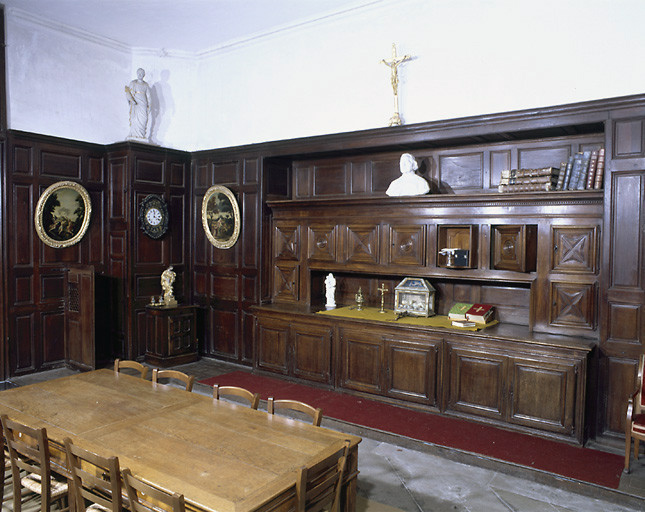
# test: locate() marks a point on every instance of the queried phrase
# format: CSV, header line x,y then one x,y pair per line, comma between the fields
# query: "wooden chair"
x,y
635,420
94,478
134,365
252,398
314,413
318,486
188,380
145,498
29,452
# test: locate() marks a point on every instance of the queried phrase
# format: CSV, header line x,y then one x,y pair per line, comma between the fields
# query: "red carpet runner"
x,y
583,464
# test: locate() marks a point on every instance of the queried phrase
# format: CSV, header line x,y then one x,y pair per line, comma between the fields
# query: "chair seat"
x,y
33,483
638,427
97,507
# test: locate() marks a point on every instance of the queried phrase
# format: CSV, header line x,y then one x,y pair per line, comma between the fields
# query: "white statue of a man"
x,y
409,183
167,280
138,96
330,289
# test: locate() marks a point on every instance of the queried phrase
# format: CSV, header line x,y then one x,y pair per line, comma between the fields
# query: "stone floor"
x,y
398,473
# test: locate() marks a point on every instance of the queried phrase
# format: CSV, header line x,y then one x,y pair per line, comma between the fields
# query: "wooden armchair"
x,y
145,498
29,452
635,420
252,398
318,486
94,478
134,365
314,413
187,380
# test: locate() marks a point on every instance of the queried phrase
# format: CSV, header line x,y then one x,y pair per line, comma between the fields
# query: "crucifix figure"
x,y
382,289
393,64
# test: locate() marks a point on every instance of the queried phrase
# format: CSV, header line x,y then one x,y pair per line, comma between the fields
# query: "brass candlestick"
x,y
360,300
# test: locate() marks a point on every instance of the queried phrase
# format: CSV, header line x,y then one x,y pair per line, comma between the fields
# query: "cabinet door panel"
x,y
312,352
321,242
407,245
477,382
412,371
272,343
362,361
286,282
543,395
575,249
286,241
363,244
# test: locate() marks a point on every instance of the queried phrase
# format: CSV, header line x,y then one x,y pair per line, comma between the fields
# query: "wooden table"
x,y
221,456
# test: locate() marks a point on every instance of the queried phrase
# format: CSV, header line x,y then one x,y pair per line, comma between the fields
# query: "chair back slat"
x,y
314,413
187,380
133,365
318,486
94,478
252,398
145,498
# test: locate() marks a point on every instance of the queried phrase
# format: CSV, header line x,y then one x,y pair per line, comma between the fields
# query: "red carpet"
x,y
583,464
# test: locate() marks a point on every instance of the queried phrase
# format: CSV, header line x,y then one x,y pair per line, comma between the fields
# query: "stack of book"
x,y
529,180
583,171
464,314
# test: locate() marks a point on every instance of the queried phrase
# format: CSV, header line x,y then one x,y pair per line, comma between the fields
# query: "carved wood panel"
x,y
272,346
575,249
311,352
362,244
321,242
412,370
407,245
573,304
286,282
477,382
286,241
362,361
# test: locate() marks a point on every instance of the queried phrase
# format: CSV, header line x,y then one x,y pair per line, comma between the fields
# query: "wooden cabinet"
x,y
171,335
295,349
390,362
526,386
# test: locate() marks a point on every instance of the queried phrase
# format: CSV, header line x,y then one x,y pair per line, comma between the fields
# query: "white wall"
x,y
470,57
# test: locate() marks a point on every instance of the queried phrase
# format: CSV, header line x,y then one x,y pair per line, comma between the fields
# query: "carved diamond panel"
x,y
286,241
575,249
363,244
321,242
572,304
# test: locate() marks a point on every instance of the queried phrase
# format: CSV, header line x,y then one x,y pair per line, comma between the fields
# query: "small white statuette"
x,y
409,184
330,289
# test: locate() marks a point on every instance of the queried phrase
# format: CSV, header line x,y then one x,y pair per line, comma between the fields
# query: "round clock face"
x,y
153,216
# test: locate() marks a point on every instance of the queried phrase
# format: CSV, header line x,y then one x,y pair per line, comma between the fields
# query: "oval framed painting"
x,y
221,217
63,214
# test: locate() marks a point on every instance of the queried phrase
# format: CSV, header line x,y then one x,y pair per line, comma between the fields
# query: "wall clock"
x,y
153,216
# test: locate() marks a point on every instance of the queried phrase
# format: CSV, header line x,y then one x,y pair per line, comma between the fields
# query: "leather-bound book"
x,y
591,173
600,169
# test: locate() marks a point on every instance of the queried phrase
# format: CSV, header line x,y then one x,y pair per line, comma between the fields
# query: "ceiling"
x,y
182,25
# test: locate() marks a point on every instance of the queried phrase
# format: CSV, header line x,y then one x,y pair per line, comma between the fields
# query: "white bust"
x,y
409,184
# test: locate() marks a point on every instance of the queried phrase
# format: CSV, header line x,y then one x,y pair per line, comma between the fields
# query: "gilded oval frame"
x,y
62,214
221,217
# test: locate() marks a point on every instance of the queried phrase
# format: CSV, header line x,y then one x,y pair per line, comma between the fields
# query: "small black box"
x,y
461,257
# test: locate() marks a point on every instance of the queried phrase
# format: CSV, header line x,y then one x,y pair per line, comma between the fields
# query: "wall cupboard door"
x,y
273,345
543,394
311,352
362,360
412,368
407,245
477,382
298,350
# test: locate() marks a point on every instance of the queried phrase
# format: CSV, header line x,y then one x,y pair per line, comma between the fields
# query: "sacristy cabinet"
x,y
171,337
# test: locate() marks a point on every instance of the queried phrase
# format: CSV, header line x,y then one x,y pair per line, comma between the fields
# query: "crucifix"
x,y
382,289
393,64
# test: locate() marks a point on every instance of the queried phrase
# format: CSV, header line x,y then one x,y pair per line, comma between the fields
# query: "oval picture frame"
x,y
63,214
221,217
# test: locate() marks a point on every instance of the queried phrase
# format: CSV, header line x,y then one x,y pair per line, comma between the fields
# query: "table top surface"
x,y
221,456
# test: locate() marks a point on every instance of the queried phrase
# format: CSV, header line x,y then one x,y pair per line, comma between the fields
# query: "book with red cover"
x,y
480,313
